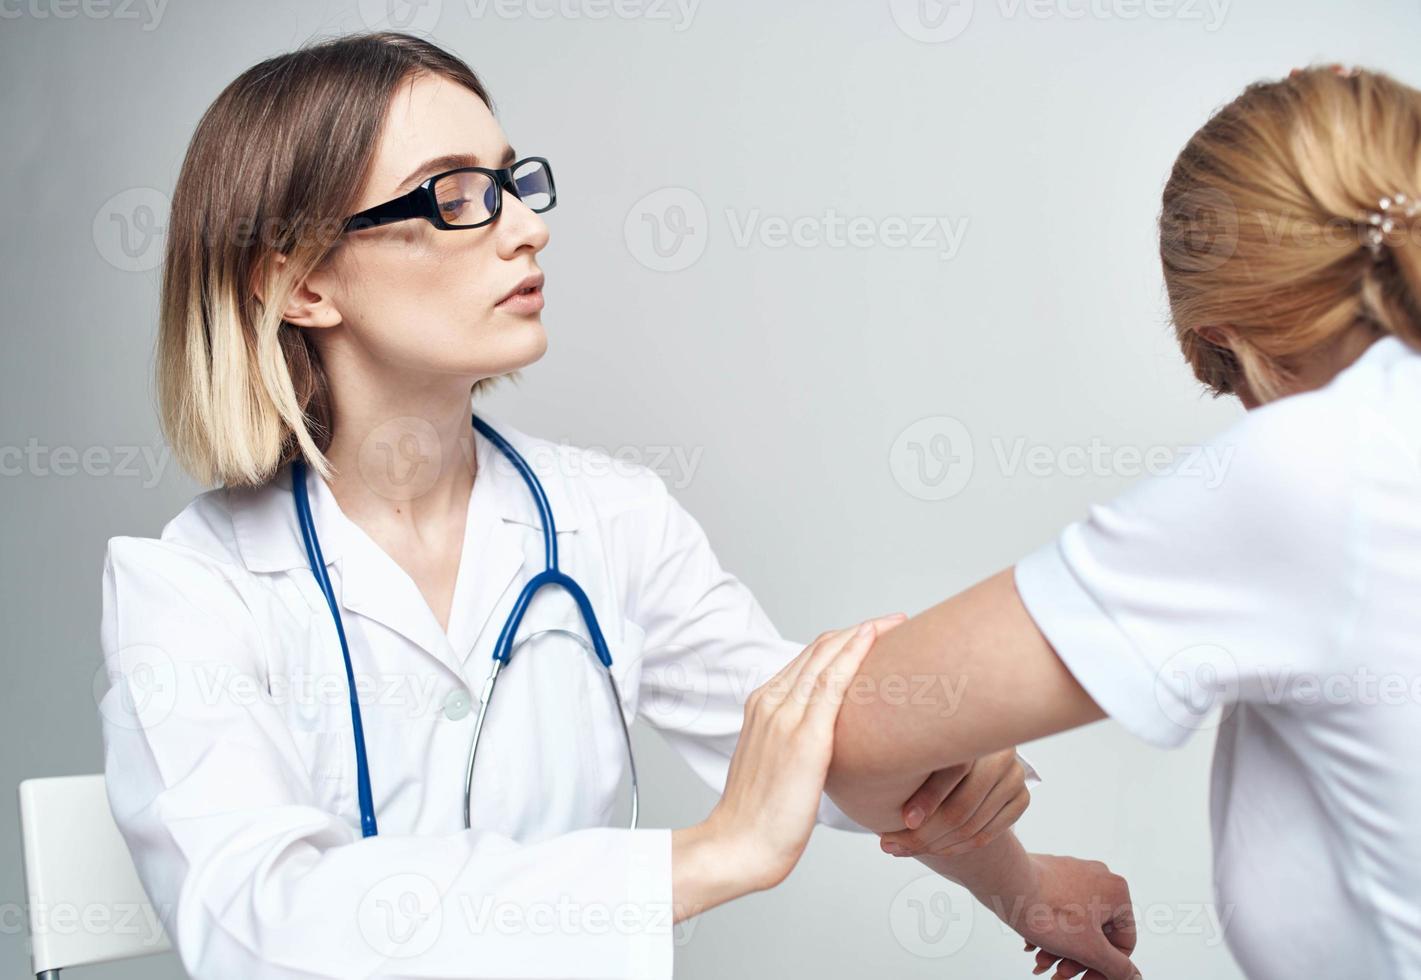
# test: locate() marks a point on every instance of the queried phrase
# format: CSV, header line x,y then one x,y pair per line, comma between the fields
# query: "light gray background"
x,y
792,376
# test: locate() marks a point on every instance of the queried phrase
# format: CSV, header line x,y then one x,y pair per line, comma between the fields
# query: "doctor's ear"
x,y
305,307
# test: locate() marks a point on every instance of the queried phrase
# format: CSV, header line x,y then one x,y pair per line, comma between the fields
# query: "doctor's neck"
x,y
401,452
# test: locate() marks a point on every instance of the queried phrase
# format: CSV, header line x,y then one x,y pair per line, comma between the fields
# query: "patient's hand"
x,y
962,808
1079,914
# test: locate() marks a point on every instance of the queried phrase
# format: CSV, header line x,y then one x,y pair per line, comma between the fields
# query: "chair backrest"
x,y
86,904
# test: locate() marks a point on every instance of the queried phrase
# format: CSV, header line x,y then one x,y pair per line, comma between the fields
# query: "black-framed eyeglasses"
x,y
468,197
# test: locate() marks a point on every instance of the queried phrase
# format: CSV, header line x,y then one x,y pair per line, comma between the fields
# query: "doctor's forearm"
x,y
968,676
704,872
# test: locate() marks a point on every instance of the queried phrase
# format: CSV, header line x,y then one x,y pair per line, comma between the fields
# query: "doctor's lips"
x,y
526,297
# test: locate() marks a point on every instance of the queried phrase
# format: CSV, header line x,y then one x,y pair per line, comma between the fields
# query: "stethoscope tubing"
x,y
503,649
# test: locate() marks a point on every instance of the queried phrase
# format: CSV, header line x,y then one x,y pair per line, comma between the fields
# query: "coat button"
x,y
456,705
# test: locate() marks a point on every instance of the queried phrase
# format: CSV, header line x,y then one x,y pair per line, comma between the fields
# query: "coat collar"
x,y
269,539
502,518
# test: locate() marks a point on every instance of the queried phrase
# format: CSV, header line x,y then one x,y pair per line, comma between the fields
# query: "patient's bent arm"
x,y
982,678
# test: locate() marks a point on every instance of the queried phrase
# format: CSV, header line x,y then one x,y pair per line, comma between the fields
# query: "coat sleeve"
x,y
252,878
708,643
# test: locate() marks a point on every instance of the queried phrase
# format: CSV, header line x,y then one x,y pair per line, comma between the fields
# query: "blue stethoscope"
x,y
502,651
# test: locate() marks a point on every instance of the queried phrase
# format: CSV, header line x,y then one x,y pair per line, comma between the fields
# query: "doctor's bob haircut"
x,y
1270,225
275,165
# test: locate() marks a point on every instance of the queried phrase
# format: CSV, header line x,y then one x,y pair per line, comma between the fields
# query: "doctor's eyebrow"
x,y
450,161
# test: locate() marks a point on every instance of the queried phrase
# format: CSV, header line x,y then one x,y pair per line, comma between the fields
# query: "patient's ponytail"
x,y
1293,220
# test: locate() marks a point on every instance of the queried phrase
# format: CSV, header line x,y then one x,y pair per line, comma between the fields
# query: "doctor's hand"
x,y
962,808
755,835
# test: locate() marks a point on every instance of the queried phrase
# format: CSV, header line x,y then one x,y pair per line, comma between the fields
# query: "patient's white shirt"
x,y
1285,593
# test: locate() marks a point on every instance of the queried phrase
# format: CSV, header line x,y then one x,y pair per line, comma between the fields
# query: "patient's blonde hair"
x,y
1264,221
275,165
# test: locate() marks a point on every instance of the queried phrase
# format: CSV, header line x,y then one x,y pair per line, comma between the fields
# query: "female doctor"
x,y
305,657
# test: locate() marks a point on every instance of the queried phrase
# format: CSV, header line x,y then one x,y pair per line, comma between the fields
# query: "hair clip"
x,y
1343,71
1382,221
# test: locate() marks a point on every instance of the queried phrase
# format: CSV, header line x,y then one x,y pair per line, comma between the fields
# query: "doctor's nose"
x,y
519,228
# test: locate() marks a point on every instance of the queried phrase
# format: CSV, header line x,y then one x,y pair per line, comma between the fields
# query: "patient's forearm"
x,y
997,873
969,676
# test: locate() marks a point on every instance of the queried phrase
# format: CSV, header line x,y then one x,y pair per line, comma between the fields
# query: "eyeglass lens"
x,y
469,197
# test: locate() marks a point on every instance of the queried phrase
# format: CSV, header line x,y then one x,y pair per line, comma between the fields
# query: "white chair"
x,y
86,904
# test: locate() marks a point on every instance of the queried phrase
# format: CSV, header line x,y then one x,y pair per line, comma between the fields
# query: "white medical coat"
x,y
229,752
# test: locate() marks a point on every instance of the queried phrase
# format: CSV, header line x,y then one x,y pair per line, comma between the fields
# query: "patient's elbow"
x,y
865,785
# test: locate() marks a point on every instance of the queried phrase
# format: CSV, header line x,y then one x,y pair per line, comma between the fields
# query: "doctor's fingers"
x,y
777,690
795,679
812,667
785,695
831,684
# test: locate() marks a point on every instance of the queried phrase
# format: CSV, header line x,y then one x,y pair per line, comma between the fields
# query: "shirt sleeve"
x,y
252,878
708,644
1212,583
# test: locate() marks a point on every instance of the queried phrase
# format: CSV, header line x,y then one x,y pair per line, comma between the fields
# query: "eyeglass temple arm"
x,y
412,205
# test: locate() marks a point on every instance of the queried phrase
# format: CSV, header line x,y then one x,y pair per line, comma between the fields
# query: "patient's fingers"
x,y
987,798
1120,930
1003,821
1064,967
929,796
996,816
